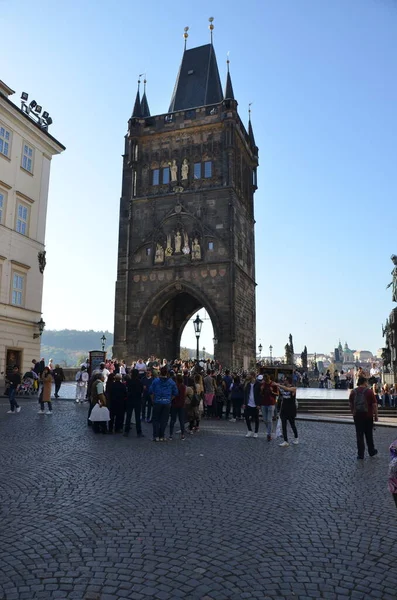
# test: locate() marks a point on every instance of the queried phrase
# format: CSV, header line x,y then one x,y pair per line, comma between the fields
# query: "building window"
x,y
197,171
148,251
210,245
2,205
156,177
208,168
27,158
5,139
166,175
18,281
21,224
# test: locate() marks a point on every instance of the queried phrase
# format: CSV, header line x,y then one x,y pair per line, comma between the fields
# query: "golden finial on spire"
x,y
211,26
185,35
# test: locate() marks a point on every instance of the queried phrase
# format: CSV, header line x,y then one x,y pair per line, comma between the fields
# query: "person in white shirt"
x,y
81,379
374,372
141,367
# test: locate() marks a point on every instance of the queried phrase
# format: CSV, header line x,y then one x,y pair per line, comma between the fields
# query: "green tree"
x,y
304,358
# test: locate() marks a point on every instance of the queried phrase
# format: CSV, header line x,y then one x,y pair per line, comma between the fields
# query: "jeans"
x,y
136,408
11,396
48,404
267,414
57,388
146,407
180,414
251,412
364,428
291,421
116,418
237,403
219,408
160,415
228,404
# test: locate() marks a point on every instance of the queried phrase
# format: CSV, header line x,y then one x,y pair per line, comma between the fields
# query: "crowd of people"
x,y
38,380
163,393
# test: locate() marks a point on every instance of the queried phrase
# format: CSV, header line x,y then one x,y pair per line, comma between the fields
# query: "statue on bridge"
x,y
394,275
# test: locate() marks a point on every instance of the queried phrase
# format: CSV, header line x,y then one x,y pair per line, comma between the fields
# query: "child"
x,y
392,483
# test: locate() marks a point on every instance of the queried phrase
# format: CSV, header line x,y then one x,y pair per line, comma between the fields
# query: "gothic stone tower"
x,y
186,237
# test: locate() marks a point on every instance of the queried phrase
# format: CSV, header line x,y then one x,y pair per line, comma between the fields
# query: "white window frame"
x,y
27,157
18,292
5,139
20,221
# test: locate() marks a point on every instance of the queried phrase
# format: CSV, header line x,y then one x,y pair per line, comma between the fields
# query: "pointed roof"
x,y
229,94
136,112
251,133
198,82
145,111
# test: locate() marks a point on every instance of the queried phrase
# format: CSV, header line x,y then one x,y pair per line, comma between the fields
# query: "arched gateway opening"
x,y
163,321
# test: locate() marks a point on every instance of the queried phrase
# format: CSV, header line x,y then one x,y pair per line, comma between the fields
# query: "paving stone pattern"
x,y
217,517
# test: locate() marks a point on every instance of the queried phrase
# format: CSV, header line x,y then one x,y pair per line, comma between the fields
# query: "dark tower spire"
x,y
145,111
250,130
137,113
198,82
229,94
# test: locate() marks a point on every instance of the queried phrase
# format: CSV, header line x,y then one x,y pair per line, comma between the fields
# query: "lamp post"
x,y
198,323
103,340
203,352
271,354
260,351
215,341
41,326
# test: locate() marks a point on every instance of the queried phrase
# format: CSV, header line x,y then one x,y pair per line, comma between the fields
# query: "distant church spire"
x,y
137,106
229,94
145,111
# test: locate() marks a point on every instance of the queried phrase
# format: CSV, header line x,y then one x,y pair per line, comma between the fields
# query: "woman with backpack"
x,y
237,398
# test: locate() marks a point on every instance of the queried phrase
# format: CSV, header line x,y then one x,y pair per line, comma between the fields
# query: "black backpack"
x,y
360,402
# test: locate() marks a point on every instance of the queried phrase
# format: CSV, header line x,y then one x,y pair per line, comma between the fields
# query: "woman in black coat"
x,y
134,402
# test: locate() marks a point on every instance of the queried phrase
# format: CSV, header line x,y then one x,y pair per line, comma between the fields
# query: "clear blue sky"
x,y
322,79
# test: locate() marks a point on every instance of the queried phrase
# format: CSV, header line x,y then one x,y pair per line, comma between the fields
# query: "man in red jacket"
x,y
364,408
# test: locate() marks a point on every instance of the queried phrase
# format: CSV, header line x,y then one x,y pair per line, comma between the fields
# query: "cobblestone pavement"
x,y
216,517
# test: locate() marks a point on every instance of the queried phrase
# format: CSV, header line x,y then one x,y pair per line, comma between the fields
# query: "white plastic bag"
x,y
99,413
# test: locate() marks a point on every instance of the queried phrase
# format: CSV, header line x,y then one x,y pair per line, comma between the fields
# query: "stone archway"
x,y
163,321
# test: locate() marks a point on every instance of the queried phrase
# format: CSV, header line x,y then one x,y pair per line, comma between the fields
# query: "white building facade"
x,y
26,150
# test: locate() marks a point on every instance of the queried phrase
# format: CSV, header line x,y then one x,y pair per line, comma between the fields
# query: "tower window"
x,y
166,175
210,245
197,171
148,251
156,177
208,168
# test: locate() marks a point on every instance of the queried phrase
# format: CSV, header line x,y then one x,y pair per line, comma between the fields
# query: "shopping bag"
x,y
278,428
